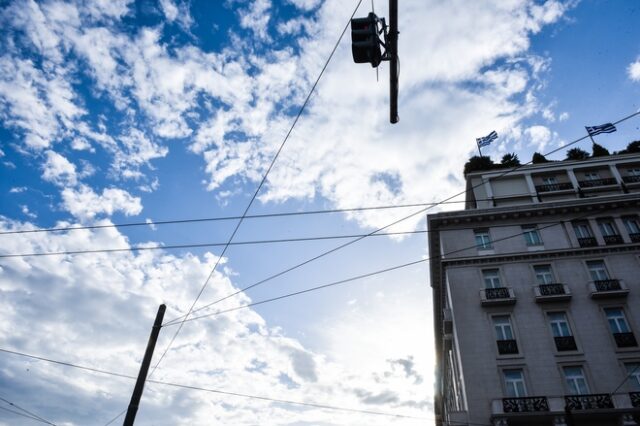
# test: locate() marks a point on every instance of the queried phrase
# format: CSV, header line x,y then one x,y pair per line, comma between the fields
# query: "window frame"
x,y
564,319
481,233
631,222
531,235
607,227
633,377
551,273
583,376
623,317
591,270
582,225
497,276
506,383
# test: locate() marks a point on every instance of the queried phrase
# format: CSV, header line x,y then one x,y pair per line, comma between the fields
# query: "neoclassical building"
x,y
536,294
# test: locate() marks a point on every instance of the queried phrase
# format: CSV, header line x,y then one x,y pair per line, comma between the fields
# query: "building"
x,y
536,292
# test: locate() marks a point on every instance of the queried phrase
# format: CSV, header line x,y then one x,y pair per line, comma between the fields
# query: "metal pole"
x,y
144,368
393,53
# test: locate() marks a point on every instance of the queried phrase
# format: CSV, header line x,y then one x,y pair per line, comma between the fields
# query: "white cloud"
x,y
634,70
177,12
59,170
256,17
17,189
539,137
110,301
305,4
84,203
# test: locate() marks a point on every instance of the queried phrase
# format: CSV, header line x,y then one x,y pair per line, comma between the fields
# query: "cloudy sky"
x,y
115,111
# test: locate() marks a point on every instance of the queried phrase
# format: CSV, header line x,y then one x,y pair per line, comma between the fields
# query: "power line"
x,y
358,277
260,185
211,390
25,412
18,413
201,245
626,378
340,247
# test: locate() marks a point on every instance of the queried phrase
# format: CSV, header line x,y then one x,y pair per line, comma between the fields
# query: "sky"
x,y
118,111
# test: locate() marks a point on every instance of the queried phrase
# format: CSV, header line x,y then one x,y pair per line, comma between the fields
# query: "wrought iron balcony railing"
x,y
625,340
635,237
549,187
497,293
597,182
587,242
607,285
635,399
612,239
554,289
589,402
507,347
526,404
631,179
565,343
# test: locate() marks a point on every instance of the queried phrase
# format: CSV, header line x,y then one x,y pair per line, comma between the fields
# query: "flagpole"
x,y
480,152
590,137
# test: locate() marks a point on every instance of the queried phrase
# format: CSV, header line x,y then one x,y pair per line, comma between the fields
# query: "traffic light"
x,y
365,42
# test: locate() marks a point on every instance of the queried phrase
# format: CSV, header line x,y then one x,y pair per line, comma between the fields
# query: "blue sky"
x,y
121,111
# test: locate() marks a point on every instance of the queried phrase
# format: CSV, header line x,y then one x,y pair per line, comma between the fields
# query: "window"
x,y
491,278
634,172
617,320
531,235
597,270
483,241
591,176
543,274
633,373
632,224
559,324
582,230
550,180
514,383
502,325
576,382
607,228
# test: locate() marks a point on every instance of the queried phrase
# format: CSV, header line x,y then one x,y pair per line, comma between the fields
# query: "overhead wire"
x,y
210,390
25,412
367,275
395,222
260,185
18,413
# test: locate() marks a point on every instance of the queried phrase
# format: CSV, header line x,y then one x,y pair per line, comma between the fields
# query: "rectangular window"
x,y
483,241
559,324
543,274
550,180
502,325
617,320
576,381
634,172
491,278
633,372
597,270
632,224
531,235
607,227
591,176
514,383
582,230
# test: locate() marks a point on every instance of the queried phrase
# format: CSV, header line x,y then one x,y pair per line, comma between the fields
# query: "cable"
x,y
179,246
226,218
378,272
218,391
340,247
625,379
260,185
17,413
29,414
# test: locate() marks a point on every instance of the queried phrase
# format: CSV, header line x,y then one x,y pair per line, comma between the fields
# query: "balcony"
x,y
589,402
497,296
635,237
631,179
565,343
587,242
554,292
597,182
608,288
525,405
612,239
550,187
625,340
635,399
507,347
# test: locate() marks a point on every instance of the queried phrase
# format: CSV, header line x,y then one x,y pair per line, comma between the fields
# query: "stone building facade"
x,y
536,289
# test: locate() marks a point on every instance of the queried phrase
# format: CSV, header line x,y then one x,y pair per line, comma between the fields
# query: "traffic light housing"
x,y
365,41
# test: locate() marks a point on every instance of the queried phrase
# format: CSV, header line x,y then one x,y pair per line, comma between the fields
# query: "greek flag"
x,y
485,141
604,128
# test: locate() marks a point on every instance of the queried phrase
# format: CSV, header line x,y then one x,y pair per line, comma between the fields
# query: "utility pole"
x,y
393,58
144,368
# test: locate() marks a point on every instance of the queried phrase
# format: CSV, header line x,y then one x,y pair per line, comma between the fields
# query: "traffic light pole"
x,y
144,368
393,53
